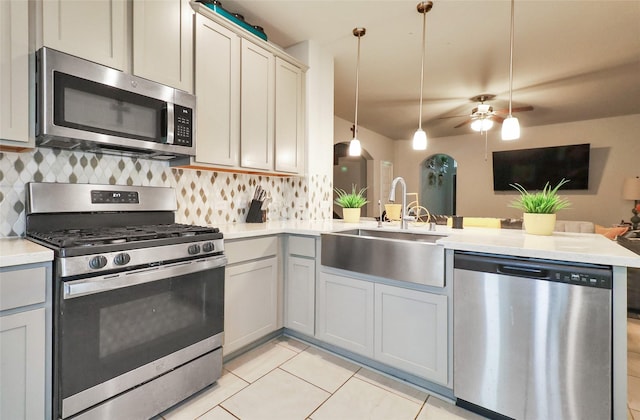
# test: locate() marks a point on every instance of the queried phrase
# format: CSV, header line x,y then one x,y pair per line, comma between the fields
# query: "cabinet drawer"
x,y
22,287
302,245
251,249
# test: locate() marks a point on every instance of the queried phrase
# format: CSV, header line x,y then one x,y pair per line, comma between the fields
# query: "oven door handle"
x,y
77,288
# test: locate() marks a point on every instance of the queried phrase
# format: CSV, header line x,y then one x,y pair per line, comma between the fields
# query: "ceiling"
x,y
573,60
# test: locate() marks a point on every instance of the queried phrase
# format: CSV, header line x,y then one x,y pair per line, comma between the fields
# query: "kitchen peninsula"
x,y
312,325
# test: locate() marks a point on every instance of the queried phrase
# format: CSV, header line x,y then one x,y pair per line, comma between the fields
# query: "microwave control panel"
x,y
183,126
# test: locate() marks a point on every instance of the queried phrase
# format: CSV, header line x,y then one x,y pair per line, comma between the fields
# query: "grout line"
x,y
331,394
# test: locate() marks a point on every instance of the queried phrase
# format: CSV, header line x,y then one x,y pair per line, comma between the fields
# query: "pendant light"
x,y
510,126
355,149
420,137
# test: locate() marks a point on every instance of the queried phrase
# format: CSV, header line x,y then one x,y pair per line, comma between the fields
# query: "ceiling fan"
x,y
483,116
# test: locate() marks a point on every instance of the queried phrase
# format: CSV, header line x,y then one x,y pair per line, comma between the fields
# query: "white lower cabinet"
x,y
345,313
25,342
22,365
250,302
411,331
299,297
403,328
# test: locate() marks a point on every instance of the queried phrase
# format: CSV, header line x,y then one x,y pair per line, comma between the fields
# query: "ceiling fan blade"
x,y
497,119
517,109
463,123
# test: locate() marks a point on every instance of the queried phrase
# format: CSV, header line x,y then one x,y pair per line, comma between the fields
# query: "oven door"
x,y
118,331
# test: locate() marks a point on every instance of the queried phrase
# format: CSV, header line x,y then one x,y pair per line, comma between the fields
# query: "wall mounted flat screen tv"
x,y
533,168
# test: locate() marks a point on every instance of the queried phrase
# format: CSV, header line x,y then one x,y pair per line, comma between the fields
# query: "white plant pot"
x,y
539,224
351,215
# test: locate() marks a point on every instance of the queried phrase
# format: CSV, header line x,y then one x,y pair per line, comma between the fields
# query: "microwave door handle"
x,y
168,123
77,288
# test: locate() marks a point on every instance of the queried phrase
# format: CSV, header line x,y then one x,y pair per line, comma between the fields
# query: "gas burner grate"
x,y
114,235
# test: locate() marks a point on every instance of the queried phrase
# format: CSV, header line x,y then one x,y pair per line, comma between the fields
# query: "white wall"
x,y
318,122
380,148
615,155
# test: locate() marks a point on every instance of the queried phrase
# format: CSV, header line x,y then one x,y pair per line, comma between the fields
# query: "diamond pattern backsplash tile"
x,y
204,197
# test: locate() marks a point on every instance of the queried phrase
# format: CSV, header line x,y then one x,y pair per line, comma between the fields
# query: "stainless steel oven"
x,y
138,308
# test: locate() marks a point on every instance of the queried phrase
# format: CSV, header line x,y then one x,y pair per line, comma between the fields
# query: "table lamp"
x,y
631,191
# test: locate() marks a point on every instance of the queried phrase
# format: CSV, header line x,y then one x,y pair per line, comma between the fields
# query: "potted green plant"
x,y
351,203
540,207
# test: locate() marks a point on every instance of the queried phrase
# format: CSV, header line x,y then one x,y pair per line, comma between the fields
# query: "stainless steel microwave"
x,y
81,105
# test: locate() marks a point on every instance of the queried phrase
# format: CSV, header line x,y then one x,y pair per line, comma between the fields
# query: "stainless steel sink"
x,y
403,256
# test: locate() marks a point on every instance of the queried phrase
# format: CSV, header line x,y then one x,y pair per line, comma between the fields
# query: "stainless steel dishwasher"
x,y
532,338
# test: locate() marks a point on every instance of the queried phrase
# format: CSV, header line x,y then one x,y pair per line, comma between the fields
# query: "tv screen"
x,y
533,168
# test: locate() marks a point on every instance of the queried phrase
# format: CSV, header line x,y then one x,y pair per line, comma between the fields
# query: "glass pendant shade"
x,y
510,128
420,140
482,124
355,149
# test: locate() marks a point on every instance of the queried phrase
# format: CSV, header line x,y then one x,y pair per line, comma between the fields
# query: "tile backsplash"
x,y
204,197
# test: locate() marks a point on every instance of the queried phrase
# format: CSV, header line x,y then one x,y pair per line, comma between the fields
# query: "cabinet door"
x,y
93,30
250,302
22,365
411,331
14,73
300,292
257,107
217,87
345,313
163,42
289,134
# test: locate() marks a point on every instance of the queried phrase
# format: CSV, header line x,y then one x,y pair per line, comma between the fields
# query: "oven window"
x,y
86,105
107,334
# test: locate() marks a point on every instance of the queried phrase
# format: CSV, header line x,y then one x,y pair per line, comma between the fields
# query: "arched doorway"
x,y
348,171
438,176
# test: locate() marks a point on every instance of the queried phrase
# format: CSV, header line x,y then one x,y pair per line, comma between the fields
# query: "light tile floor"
x,y
286,379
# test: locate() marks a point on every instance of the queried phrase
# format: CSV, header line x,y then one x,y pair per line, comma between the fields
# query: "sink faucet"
x,y
404,218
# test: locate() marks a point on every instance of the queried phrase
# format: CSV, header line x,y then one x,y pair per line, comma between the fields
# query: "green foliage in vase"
x,y
546,201
353,200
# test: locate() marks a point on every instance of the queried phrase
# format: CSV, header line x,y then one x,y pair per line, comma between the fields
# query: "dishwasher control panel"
x,y
584,279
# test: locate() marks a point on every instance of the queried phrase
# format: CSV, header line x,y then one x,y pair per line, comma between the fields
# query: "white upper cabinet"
x,y
163,42
15,70
289,112
93,30
217,88
257,107
250,112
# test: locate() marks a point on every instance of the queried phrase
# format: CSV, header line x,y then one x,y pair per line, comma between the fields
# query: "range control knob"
x,y
208,247
193,249
98,262
122,259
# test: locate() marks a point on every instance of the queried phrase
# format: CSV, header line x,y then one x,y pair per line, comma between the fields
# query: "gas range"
x,y
138,299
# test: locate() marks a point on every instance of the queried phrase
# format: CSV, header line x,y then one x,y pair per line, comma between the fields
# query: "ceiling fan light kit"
x,y
420,136
482,125
511,126
355,148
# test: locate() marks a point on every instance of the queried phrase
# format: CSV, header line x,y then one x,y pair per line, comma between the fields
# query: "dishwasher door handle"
x,y
530,272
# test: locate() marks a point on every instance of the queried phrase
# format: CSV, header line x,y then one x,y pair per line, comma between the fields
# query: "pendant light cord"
x,y
424,32
359,35
511,62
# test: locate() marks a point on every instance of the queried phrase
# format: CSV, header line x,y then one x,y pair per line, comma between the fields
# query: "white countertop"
x,y
577,247
18,251
561,246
